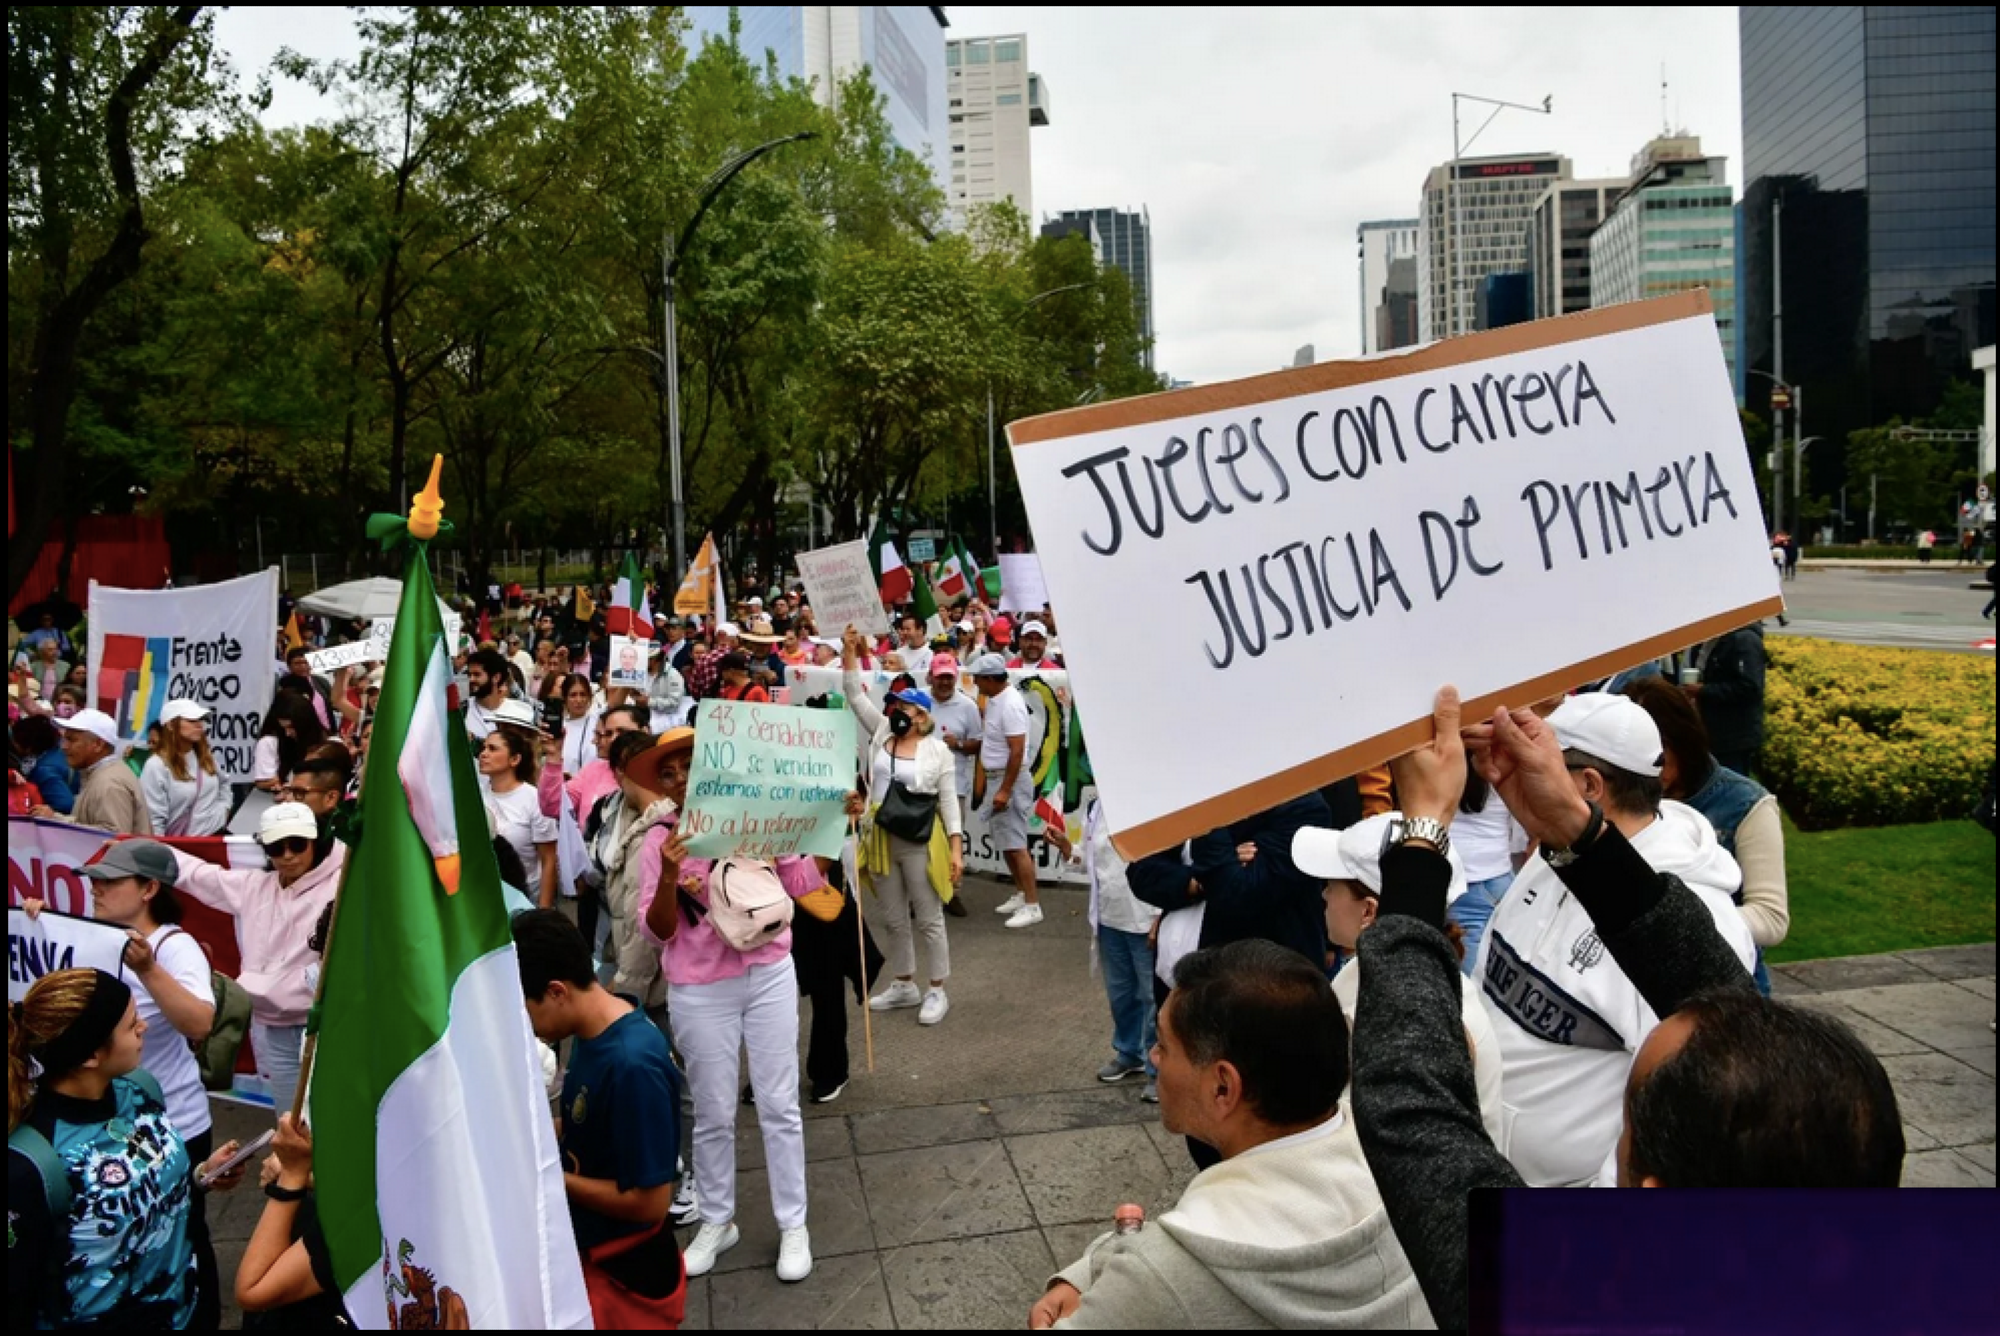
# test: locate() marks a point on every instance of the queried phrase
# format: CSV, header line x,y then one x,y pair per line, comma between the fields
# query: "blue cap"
x,y
912,696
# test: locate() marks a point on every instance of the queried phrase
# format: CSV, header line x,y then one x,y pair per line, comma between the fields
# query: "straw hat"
x,y
644,769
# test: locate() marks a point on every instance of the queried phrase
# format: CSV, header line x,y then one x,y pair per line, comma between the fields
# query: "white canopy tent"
x,y
371,599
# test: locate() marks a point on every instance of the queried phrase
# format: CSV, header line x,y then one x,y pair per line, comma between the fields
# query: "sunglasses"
x,y
291,844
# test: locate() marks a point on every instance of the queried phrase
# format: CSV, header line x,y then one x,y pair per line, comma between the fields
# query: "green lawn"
x,y
1889,888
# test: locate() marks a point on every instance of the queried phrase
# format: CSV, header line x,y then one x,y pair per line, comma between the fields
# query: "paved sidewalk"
x,y
983,1153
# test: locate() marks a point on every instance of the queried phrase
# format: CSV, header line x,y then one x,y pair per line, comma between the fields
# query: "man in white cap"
x,y
108,797
1008,794
1034,655
1568,1019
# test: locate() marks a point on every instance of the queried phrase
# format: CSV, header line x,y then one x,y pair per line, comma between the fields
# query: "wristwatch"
x,y
1404,829
278,1192
1562,858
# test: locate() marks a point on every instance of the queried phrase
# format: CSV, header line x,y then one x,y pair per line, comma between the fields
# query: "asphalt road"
x,y
1916,608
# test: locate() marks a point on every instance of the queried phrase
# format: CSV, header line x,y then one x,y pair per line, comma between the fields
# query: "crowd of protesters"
x,y
1529,952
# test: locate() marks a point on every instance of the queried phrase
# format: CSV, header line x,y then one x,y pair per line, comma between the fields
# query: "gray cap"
x,y
148,860
988,665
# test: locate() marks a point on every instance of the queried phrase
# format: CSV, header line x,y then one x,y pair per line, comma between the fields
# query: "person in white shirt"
x,y
915,652
1568,1019
1122,925
1351,862
1009,792
489,682
1490,843
185,794
514,811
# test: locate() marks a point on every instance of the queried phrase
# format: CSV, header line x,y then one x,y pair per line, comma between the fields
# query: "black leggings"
x,y
208,1277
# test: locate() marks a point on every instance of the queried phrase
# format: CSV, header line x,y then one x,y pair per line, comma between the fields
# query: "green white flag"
x,y
439,1187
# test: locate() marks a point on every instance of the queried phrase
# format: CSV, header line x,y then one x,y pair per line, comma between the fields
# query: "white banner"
x,y
1316,551
51,941
840,585
212,644
341,656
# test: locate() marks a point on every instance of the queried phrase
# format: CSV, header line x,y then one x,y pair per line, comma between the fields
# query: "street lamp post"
x,y
1452,324
992,451
1793,400
671,250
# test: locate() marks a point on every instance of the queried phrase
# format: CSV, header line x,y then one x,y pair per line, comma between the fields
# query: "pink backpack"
x,y
747,904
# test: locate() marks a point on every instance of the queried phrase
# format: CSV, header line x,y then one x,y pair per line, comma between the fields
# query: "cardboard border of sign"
x,y
1249,799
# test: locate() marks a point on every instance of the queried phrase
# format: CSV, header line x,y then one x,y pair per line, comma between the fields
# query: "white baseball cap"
x,y
1612,727
284,820
94,722
1355,854
1035,629
182,709
727,629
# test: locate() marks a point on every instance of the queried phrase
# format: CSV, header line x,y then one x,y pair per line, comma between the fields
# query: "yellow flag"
x,y
699,590
585,609
294,639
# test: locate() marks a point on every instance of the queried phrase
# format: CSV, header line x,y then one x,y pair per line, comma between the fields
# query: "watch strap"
x,y
278,1192
1562,858
1428,829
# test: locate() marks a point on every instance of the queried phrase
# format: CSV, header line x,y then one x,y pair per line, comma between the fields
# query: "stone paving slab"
x,y
1937,1014
968,1284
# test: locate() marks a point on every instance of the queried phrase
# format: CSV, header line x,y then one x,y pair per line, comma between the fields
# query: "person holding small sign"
x,y
726,1000
913,787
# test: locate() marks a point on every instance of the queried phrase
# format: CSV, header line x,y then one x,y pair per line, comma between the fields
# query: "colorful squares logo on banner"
x,y
132,680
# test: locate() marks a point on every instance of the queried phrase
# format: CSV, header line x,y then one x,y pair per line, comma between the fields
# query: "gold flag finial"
x,y
428,505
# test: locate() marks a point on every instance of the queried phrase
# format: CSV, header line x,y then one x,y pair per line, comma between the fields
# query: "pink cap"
x,y
944,665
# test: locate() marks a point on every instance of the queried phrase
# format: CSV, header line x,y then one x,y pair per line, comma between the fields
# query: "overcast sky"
x,y
1259,139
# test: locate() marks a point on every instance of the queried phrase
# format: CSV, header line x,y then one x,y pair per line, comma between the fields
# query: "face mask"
x,y
900,723
65,710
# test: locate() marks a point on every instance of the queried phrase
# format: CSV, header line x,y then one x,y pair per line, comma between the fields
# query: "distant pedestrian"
x,y
1791,557
1926,541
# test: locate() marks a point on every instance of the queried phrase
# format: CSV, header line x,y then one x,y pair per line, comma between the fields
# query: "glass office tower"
x,y
1868,147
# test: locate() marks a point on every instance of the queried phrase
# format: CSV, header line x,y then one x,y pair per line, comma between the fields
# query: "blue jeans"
x,y
277,1050
1128,982
1472,910
1761,976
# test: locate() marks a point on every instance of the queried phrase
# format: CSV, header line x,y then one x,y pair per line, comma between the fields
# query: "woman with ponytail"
x,y
99,1185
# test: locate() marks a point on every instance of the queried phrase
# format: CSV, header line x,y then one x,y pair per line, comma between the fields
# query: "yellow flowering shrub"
x,y
1860,736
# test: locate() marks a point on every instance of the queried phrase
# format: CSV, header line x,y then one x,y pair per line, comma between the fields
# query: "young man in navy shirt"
x,y
618,1127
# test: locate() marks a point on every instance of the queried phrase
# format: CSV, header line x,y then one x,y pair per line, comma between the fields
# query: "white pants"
x,y
758,1011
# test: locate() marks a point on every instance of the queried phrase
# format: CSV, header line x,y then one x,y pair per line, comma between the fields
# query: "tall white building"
x,y
1475,223
902,46
994,100
1380,242
1674,229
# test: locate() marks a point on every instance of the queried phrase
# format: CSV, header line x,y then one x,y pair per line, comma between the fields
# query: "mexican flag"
x,y
952,581
439,1187
890,572
631,612
925,606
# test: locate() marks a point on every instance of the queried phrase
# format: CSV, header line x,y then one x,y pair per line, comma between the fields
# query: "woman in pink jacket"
x,y
276,909
720,1001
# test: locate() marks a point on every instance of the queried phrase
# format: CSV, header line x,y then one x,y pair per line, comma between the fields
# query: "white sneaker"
x,y
901,993
1011,904
795,1254
1027,916
936,1004
709,1241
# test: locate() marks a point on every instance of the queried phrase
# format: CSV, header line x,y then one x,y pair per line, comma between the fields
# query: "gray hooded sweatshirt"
x,y
1290,1234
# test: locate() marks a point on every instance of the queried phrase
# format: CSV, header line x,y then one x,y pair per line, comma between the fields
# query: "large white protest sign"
x,y
1021,585
1315,552
51,941
210,644
840,585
